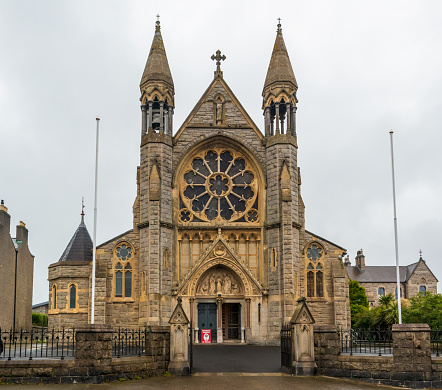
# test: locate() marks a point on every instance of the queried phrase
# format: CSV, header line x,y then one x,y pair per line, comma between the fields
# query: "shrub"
x,y
39,319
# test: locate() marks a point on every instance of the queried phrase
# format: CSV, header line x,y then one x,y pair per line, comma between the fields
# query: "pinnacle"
x,y
157,66
280,69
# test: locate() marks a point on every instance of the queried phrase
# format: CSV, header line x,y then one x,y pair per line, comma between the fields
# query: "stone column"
x,y
289,115
170,118
219,330
277,118
293,122
411,352
161,117
143,119
267,121
93,350
149,117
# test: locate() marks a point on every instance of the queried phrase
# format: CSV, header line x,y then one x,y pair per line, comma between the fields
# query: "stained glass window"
x,y
319,284
314,252
310,284
119,281
124,252
128,282
219,186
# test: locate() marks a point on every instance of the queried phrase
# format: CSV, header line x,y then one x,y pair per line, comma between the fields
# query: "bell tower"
x,y
155,186
157,90
282,220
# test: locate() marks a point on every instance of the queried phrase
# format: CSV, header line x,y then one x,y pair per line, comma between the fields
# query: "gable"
x,y
219,254
219,108
420,270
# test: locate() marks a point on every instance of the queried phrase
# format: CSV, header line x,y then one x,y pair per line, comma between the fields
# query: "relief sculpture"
x,y
219,282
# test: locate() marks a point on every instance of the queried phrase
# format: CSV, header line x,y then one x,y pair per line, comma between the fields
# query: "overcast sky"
x,y
363,68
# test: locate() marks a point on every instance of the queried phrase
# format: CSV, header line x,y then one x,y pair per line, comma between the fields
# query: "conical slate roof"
x,y
80,246
280,69
157,66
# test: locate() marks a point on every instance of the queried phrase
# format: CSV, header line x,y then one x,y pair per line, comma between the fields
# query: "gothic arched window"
x,y
72,296
123,272
315,270
219,185
54,296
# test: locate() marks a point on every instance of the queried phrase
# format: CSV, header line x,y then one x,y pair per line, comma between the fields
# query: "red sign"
x,y
206,336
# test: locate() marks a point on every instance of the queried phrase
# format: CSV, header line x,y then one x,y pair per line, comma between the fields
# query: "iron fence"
x,y
129,342
286,346
37,343
363,341
436,342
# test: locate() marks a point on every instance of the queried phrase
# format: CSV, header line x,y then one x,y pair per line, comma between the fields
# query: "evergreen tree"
x,y
358,301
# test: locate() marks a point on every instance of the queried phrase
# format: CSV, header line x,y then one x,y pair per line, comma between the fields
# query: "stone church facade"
x,y
218,220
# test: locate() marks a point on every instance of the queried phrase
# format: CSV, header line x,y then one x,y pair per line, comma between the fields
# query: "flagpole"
x,y
395,235
94,253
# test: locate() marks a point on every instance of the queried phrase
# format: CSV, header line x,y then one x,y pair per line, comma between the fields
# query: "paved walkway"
x,y
239,358
217,382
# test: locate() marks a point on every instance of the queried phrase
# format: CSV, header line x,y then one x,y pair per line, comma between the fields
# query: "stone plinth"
x,y
412,352
94,349
179,342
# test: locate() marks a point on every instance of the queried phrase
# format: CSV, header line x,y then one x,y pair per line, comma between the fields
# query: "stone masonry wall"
x,y
93,361
411,364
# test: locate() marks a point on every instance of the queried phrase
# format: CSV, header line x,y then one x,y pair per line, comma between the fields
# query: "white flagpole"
x,y
94,253
395,235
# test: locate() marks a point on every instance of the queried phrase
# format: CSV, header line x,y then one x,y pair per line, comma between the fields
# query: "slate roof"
x,y
381,273
80,246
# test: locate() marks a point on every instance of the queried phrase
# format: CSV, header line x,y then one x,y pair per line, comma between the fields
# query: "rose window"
x,y
219,185
124,252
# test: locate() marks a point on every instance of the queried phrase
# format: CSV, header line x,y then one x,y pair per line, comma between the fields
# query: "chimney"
x,y
347,261
360,260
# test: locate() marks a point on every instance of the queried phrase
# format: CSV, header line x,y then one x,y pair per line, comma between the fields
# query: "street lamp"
x,y
17,247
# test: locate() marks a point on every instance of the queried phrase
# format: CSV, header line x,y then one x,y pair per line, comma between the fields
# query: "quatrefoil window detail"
x,y
314,252
124,252
219,185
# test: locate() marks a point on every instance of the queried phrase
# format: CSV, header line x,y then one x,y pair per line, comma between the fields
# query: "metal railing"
x,y
436,342
286,345
129,342
37,343
362,341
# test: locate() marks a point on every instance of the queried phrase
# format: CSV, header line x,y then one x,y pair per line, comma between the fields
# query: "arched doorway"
x,y
219,305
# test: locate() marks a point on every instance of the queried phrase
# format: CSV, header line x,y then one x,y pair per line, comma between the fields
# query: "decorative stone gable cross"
x,y
218,57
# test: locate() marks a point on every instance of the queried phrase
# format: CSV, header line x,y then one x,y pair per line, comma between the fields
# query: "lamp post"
x,y
17,247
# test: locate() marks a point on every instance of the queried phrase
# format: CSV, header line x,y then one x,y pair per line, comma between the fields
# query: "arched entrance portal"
x,y
219,293
219,301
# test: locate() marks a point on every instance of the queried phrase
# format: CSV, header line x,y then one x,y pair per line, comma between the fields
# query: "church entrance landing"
x,y
240,358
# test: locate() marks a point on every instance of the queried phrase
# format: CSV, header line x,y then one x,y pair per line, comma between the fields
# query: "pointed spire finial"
x,y
420,254
157,24
82,210
279,30
218,57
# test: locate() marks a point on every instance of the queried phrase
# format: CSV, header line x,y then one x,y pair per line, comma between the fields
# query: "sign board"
x,y
206,336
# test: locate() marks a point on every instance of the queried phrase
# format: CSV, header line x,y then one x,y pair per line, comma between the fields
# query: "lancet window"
x,y
72,296
315,270
123,272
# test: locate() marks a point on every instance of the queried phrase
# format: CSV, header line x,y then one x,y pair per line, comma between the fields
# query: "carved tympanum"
x,y
219,281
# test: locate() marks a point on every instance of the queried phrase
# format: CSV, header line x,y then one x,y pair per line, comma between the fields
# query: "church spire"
x,y
157,88
279,92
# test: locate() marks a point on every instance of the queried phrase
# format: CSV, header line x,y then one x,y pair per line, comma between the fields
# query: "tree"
x,y
358,301
425,308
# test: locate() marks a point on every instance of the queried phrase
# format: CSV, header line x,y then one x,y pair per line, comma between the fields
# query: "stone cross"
x,y
218,57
